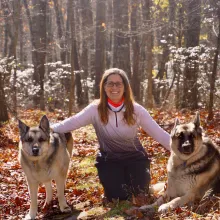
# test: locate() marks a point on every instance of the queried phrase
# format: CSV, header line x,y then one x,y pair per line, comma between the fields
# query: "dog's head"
x,y
35,140
186,138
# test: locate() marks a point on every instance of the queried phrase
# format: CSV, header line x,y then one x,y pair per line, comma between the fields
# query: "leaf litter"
x,y
83,191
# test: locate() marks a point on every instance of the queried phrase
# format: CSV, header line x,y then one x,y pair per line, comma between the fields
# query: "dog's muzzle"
x,y
35,151
186,148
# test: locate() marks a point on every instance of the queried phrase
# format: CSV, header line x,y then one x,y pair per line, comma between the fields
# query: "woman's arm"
x,y
152,128
81,119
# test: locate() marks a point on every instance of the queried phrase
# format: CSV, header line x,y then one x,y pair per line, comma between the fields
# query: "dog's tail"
x,y
69,139
68,136
157,188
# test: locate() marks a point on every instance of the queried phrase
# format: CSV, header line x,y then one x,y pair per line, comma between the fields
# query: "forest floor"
x,y
83,190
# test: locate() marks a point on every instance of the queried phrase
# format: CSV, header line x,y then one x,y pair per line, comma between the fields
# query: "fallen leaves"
x,y
82,186
134,211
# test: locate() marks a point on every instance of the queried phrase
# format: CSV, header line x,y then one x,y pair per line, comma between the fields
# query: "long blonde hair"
x,y
128,97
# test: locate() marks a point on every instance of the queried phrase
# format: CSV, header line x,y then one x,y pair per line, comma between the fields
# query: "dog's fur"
x,y
193,167
44,156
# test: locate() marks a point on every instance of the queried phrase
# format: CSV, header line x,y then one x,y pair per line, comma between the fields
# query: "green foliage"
x,y
154,73
85,168
157,50
86,186
162,3
87,162
50,99
118,209
203,36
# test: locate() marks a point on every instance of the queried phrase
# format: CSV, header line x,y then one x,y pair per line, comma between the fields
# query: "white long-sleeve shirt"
x,y
117,139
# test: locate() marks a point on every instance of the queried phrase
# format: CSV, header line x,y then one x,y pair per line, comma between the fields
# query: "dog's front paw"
x,y
164,208
147,207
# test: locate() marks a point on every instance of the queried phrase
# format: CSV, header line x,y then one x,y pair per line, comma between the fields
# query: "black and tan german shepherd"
x,y
193,167
44,156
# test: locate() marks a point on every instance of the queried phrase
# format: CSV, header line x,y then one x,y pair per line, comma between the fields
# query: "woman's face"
x,y
114,88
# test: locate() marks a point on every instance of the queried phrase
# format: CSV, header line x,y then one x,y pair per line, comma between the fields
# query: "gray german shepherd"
x,y
44,156
193,167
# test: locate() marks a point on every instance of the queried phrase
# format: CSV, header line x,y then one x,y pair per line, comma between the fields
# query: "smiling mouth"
x,y
186,151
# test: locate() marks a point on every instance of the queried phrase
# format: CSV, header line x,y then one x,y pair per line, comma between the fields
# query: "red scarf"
x,y
116,104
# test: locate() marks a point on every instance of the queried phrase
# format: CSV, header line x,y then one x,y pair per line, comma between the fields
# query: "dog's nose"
x,y
35,151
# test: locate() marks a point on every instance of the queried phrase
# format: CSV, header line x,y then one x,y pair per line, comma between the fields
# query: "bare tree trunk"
x,y
12,33
169,90
67,34
169,38
172,19
177,97
180,26
142,62
60,31
100,43
214,72
72,84
21,41
3,107
121,52
86,15
109,37
136,53
190,92
149,71
78,84
149,54
6,28
37,25
51,54
16,21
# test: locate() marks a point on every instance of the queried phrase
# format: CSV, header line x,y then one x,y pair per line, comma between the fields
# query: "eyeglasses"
x,y
117,84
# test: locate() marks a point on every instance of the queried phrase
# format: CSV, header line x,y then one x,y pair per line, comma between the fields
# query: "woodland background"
x,y
52,56
53,53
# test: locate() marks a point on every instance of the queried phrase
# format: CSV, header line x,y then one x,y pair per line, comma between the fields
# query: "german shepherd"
x,y
193,167
44,156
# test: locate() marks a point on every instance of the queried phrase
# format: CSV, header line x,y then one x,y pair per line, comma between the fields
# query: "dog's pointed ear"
x,y
23,128
197,120
177,122
44,124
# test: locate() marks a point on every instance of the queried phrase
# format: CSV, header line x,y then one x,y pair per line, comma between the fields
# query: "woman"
x,y
122,163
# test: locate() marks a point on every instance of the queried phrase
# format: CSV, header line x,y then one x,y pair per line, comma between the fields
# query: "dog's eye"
x,y
178,134
181,135
40,139
30,139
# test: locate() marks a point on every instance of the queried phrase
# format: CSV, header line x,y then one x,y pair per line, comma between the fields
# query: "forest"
x,y
53,54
